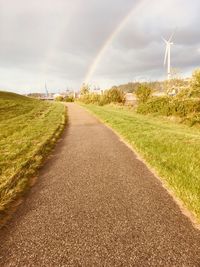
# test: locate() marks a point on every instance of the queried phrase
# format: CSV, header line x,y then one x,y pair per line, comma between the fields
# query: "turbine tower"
x,y
167,58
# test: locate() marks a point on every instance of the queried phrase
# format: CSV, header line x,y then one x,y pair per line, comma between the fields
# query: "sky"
x,y
64,43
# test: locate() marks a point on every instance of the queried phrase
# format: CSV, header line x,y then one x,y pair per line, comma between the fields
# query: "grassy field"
x,y
172,149
28,130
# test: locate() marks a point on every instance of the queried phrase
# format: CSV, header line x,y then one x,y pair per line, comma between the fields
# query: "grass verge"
x,y
171,149
29,130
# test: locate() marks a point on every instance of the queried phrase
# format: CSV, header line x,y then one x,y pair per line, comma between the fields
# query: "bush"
x,y
187,109
195,84
113,95
193,119
59,98
85,89
143,93
104,100
69,98
94,98
183,108
91,98
184,93
159,105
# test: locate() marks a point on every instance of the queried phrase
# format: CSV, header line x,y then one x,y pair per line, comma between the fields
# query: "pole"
x,y
169,63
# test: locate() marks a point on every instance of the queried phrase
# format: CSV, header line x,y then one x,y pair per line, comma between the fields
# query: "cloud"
x,y
57,41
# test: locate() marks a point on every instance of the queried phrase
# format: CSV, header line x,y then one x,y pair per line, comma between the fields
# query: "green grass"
x,y
28,130
172,149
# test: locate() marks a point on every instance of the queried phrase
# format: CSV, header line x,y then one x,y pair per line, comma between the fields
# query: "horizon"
x,y
61,91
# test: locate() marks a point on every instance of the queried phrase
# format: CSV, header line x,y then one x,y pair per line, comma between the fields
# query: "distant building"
x,y
130,99
56,95
97,91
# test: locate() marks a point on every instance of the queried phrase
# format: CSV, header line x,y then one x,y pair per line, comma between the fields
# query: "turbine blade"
x,y
170,38
164,39
172,35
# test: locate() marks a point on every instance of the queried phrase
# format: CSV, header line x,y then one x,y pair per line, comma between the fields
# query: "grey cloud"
x,y
58,40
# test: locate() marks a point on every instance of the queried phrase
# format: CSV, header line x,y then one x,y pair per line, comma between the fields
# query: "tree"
x,y
143,93
195,84
85,89
59,98
69,98
175,84
115,95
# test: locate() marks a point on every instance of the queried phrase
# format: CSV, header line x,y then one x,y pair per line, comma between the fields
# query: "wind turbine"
x,y
167,58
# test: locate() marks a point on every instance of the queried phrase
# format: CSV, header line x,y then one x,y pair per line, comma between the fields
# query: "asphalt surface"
x,y
96,204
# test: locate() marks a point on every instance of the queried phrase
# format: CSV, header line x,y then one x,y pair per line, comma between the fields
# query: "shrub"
x,y
113,95
85,89
193,119
184,93
85,98
188,109
160,105
183,107
94,98
195,84
90,98
143,93
59,98
69,98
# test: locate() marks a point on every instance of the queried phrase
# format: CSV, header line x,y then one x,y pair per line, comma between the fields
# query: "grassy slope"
x,y
173,150
28,129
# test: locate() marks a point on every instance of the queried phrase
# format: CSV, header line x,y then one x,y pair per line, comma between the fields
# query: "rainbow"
x,y
110,39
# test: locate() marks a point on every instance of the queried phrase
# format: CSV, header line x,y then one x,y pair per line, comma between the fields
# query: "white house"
x,y
130,99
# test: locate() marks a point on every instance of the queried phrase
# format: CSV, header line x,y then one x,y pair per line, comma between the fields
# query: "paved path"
x,y
95,204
